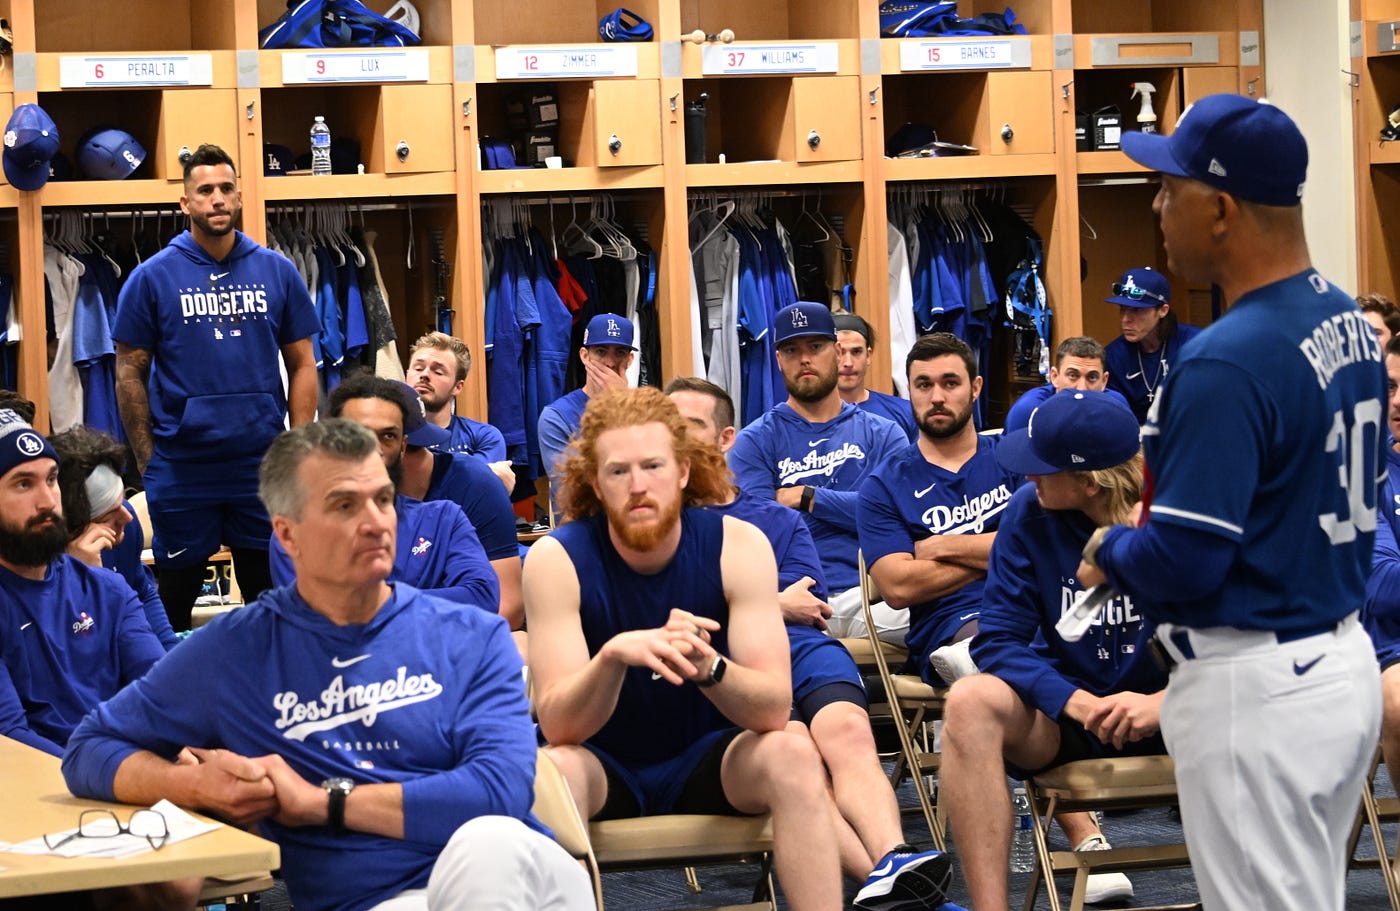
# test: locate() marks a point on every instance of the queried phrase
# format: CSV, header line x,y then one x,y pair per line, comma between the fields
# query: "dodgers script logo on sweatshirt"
x,y
339,704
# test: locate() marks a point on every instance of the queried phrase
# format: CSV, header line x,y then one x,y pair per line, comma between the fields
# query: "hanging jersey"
x,y
613,598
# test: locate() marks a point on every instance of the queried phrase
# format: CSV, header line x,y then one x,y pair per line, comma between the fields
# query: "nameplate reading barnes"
x,y
147,70
586,61
964,55
378,65
758,59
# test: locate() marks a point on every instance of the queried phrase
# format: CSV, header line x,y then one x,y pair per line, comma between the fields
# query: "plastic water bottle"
x,y
1022,841
320,148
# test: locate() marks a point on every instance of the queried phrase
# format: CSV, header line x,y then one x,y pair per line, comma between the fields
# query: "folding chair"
x,y
235,891
653,841
1374,811
1100,784
913,705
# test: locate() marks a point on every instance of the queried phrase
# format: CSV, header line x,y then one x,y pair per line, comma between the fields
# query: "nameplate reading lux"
x,y
581,62
165,69
752,59
356,66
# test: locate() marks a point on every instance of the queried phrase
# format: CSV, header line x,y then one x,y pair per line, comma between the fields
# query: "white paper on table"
x,y
181,825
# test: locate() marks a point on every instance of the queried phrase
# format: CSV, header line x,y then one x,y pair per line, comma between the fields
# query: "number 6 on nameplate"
x,y
1356,472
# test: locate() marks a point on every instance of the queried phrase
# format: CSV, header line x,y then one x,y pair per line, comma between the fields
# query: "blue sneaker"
x,y
905,881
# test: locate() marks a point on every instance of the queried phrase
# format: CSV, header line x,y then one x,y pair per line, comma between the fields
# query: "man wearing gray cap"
x,y
58,613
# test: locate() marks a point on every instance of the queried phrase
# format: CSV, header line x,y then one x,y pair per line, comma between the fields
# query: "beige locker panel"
x,y
626,122
1023,102
188,119
1200,81
826,118
415,130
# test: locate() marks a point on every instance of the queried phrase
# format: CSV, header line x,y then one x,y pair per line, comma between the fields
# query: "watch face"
x,y
338,784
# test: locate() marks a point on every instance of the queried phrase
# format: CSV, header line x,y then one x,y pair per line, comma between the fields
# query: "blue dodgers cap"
x,y
1074,430
20,443
608,329
31,142
1249,149
417,429
803,318
109,154
1143,288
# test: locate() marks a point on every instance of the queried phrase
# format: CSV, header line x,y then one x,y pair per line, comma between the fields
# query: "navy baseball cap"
x,y
803,318
417,429
1072,430
277,160
109,154
608,329
1143,288
1247,148
31,142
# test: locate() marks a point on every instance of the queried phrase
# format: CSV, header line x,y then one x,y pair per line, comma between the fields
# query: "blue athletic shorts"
x,y
688,783
817,660
196,508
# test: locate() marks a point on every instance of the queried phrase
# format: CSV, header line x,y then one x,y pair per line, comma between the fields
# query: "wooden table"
x,y
36,801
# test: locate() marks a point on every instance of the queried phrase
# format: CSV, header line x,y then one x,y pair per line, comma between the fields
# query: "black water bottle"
x,y
695,117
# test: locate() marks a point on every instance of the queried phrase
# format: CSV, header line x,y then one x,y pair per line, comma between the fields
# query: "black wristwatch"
x,y
717,668
805,502
338,789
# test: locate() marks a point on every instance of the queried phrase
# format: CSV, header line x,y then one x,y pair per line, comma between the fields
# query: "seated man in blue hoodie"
x,y
380,735
200,328
1041,700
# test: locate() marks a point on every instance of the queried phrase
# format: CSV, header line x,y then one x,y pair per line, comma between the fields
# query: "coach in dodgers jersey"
x,y
811,453
1264,452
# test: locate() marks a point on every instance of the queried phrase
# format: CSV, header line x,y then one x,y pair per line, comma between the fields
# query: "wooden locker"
x,y
420,118
829,107
630,111
1022,101
189,118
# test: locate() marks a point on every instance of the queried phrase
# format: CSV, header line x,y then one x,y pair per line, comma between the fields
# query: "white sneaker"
x,y
952,662
1104,887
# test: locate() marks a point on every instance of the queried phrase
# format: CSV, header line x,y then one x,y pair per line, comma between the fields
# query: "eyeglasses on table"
x,y
147,824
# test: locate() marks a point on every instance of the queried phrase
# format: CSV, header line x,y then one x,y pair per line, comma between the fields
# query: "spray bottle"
x,y
1146,118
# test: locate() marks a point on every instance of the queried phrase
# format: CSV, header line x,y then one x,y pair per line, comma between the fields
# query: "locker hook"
x,y
1249,86
248,112
1064,89
673,100
873,93
467,108
1353,78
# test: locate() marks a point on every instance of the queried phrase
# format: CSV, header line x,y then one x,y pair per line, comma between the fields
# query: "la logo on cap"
x,y
29,443
799,319
614,330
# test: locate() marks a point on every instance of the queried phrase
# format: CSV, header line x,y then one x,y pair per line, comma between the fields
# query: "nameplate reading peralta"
x,y
756,59
355,66
146,70
964,55
581,62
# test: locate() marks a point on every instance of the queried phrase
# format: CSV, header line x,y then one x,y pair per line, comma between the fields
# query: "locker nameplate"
x,y
964,55
754,59
355,66
586,62
76,72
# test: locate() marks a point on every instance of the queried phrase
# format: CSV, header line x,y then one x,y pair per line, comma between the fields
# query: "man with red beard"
x,y
73,634
657,650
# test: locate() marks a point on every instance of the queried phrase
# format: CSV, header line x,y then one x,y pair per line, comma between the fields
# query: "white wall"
x,y
1305,51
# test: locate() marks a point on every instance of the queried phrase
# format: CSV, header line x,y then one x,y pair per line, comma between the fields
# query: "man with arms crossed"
x,y
199,329
929,513
381,735
657,650
1266,447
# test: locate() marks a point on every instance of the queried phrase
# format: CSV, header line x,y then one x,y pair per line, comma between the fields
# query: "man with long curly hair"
x,y
657,651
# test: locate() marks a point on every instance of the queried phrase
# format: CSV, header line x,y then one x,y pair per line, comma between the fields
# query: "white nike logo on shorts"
x,y
336,662
26,626
172,554
655,675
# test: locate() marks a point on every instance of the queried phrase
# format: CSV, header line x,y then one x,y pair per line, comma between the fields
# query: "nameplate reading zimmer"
x,y
584,62
964,55
164,69
355,66
753,59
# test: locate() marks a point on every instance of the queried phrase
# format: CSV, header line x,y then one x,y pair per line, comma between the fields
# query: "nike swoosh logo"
x,y
881,870
655,675
919,494
214,278
817,442
1301,669
26,626
172,554
336,662
1133,376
